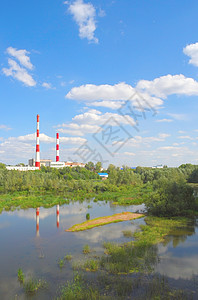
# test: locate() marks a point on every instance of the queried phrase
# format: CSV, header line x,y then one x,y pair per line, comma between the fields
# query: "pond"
x,y
35,240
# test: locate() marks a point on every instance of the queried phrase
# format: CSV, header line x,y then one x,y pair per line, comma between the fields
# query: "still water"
x,y
36,243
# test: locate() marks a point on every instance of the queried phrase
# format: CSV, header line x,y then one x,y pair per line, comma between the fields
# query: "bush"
x,y
170,199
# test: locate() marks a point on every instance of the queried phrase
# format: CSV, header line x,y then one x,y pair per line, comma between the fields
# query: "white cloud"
x,y
192,51
106,95
21,56
47,85
90,122
4,127
179,117
169,85
164,121
185,137
129,153
84,14
18,73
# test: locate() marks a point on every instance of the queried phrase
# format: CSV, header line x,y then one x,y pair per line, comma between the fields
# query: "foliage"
x,y
171,198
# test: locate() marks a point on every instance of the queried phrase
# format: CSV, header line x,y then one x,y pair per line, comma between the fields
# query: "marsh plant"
x,y
21,276
86,249
61,263
32,285
68,257
127,233
88,216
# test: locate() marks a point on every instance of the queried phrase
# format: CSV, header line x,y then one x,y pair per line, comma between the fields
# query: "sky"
x,y
117,79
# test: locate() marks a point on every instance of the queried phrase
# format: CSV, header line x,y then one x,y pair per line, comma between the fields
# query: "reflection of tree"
x,y
179,235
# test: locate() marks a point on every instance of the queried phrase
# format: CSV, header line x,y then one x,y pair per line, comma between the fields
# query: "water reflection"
x,y
38,218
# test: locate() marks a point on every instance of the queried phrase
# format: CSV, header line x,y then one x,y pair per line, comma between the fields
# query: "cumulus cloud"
x,y
21,56
107,95
84,15
18,72
192,51
169,85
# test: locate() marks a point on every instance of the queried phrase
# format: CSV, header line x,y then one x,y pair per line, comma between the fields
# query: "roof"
x,y
103,174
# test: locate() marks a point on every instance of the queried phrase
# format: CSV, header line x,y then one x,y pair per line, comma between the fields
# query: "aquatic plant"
x,y
21,276
86,249
88,216
127,233
61,263
91,265
68,257
32,285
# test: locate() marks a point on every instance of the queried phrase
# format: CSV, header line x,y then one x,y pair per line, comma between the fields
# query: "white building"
x,y
21,168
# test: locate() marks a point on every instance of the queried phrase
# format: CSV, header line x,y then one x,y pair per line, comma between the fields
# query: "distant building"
x,y
104,176
74,164
22,168
57,164
43,162
157,167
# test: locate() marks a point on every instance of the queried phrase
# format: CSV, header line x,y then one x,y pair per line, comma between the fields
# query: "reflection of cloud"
x,y
4,225
177,267
45,213
110,232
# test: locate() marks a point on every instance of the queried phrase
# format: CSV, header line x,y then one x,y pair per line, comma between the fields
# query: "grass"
x,y
91,265
127,233
86,249
31,286
68,257
77,289
61,263
20,275
128,195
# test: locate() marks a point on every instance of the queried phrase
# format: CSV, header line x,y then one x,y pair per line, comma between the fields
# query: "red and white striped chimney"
x,y
37,163
57,147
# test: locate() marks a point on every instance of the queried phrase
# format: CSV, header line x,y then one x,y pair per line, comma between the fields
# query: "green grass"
x,y
127,233
31,286
68,257
86,249
21,276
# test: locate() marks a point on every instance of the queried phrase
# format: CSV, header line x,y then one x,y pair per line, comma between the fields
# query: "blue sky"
x,y
117,79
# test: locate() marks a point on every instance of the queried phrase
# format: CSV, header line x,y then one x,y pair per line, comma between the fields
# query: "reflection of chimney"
x,y
57,216
57,147
37,221
37,163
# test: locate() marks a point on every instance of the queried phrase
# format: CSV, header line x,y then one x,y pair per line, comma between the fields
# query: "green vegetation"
x,y
136,258
20,275
86,249
88,216
78,289
61,263
127,233
163,190
68,257
171,198
31,285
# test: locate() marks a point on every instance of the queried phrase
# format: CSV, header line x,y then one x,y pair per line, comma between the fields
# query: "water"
x,y
36,245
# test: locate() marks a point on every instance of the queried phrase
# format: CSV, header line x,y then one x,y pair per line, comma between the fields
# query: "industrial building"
x,y
35,164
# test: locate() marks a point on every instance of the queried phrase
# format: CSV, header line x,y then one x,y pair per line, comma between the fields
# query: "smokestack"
x,y
37,163
57,147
